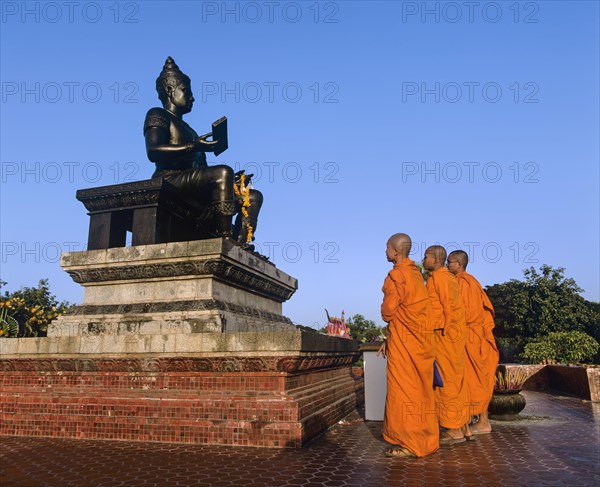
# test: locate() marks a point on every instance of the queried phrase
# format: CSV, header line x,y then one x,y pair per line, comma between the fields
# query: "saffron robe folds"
x,y
410,416
450,331
481,351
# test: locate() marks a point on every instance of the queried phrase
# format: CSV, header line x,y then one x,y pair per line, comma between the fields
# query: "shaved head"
x,y
401,243
460,256
434,258
438,252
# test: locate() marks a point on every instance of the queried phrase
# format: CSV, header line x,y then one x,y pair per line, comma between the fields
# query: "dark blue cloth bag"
x,y
437,378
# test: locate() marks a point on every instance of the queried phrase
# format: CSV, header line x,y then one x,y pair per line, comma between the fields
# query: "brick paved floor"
x,y
555,444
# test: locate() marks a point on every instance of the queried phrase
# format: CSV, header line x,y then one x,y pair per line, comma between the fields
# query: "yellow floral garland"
x,y
242,192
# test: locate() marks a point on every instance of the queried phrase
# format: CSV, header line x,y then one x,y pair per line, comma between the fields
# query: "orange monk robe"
x,y
448,321
494,357
410,417
482,353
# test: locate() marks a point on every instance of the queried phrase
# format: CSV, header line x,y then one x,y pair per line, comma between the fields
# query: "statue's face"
x,y
182,97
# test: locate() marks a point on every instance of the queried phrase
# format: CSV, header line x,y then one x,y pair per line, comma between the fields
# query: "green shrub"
x,y
563,347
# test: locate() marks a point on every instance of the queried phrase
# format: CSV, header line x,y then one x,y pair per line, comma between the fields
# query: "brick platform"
x,y
119,400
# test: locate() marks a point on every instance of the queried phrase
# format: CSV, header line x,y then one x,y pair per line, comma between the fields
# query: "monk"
x,y
482,353
448,322
410,422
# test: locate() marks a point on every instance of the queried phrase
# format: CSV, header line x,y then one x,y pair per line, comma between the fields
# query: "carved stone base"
x,y
183,287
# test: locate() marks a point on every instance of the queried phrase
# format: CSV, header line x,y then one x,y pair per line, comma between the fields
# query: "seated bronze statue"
x,y
180,158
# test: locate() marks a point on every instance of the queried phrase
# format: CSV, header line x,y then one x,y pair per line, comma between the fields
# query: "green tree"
x,y
564,347
363,330
545,301
32,308
510,302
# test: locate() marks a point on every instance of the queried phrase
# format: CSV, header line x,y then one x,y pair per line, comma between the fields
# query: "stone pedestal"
x,y
182,287
181,342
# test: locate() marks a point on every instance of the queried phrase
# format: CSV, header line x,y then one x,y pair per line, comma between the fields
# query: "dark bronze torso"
x,y
179,133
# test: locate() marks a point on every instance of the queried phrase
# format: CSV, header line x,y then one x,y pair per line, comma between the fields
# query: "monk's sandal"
x,y
399,452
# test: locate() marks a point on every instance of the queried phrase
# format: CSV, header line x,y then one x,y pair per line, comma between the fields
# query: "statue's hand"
x,y
206,145
238,176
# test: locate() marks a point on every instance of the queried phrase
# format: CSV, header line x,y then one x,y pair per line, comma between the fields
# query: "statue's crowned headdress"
x,y
170,75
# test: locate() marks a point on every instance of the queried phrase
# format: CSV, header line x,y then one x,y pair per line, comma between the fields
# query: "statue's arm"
x,y
159,149
158,145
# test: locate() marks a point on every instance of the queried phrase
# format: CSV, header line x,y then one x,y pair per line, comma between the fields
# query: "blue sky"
x,y
477,129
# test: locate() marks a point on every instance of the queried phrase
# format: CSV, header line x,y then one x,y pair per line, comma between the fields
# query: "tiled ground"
x,y
556,444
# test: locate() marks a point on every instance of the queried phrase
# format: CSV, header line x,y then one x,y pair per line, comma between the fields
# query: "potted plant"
x,y
507,402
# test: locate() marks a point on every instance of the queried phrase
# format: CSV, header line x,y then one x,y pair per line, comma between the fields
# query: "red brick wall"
x,y
270,408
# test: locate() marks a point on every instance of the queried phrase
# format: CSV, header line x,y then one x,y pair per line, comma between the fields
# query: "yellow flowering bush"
x,y
28,311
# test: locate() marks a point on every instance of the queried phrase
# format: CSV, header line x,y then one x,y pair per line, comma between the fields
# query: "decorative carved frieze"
x,y
176,306
228,272
290,364
148,192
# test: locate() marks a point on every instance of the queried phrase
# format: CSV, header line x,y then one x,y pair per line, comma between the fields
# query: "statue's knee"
x,y
222,174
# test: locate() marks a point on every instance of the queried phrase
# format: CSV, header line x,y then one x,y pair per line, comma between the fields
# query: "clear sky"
x,y
470,124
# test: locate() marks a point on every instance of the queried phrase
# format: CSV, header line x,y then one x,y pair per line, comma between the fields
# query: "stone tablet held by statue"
x,y
219,133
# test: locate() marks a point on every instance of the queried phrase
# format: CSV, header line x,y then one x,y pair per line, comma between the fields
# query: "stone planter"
x,y
506,405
